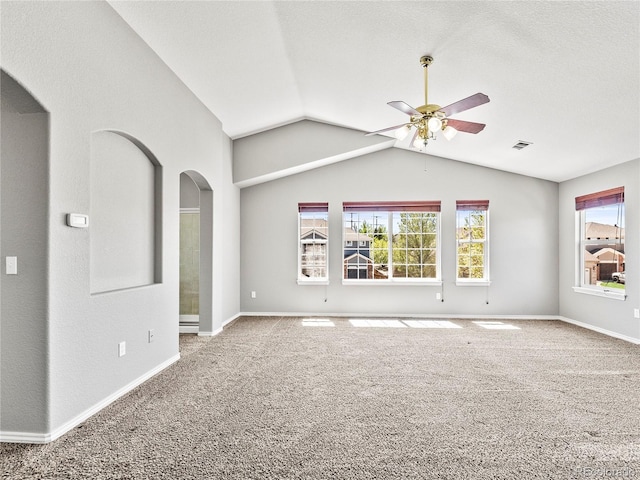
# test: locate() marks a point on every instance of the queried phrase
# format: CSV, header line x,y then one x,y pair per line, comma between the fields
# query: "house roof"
x,y
353,236
258,65
317,225
610,251
590,257
598,230
357,258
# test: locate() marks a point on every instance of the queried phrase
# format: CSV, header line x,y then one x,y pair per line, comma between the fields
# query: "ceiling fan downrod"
x,y
425,61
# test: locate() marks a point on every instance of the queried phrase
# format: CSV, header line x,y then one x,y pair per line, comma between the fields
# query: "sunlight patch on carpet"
x,y
431,324
496,325
376,323
317,322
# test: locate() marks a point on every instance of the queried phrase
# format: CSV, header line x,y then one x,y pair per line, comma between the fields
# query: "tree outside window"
x,y
471,238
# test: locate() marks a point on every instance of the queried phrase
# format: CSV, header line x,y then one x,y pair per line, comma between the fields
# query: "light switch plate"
x,y
12,265
77,220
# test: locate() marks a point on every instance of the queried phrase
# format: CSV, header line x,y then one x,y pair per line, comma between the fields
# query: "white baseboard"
x,y
24,437
231,319
399,315
188,329
610,333
210,334
27,437
604,331
196,328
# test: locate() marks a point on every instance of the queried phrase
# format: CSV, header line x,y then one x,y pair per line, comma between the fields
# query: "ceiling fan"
x,y
430,118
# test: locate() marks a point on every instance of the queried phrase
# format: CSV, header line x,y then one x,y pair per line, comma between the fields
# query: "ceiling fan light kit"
x,y
428,119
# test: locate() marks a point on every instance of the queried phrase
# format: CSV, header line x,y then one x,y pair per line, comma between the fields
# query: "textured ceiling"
x,y
562,75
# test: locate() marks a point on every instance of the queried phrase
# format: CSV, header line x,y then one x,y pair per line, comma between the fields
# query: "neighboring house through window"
x,y
391,241
313,228
472,259
601,254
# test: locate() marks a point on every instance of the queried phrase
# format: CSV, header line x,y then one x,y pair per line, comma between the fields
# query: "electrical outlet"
x,y
253,294
636,312
122,349
438,296
152,334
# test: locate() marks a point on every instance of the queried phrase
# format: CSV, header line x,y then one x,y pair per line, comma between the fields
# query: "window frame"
x,y
614,196
389,209
474,206
313,208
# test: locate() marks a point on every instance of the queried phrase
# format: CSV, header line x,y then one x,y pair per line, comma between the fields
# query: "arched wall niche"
x,y
126,213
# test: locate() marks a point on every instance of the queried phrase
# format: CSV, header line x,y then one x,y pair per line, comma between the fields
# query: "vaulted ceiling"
x,y
564,76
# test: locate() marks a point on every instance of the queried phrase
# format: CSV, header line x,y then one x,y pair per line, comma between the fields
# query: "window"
x,y
601,256
472,265
313,232
391,241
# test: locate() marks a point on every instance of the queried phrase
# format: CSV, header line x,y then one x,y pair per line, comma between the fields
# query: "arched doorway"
x,y
196,248
24,242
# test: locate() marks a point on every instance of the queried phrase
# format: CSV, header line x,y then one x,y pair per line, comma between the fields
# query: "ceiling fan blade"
x,y
465,104
413,137
464,126
385,130
403,107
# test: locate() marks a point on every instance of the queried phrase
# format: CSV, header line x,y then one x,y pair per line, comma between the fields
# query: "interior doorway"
x,y
189,269
196,246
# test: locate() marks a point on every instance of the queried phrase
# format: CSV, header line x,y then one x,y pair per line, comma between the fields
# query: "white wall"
x,y
523,238
612,316
92,73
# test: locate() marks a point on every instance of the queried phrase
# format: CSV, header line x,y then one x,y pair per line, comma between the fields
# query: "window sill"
x,y
313,282
404,283
473,283
601,293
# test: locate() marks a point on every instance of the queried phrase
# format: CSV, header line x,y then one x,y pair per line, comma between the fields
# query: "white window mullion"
x,y
390,243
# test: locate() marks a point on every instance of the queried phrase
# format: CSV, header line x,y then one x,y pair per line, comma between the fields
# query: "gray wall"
x,y
523,238
189,193
24,173
298,147
92,73
607,314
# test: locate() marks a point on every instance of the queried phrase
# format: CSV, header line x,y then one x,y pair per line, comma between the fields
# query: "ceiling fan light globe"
x,y
418,142
449,132
402,132
434,124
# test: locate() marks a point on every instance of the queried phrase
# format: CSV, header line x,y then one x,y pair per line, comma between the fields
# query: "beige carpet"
x,y
276,398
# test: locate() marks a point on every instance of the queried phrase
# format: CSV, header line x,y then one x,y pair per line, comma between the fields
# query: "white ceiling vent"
x,y
521,144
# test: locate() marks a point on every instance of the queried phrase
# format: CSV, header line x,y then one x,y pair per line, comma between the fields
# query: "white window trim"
x,y
486,280
416,282
318,280
579,274
601,292
397,281
308,281
470,282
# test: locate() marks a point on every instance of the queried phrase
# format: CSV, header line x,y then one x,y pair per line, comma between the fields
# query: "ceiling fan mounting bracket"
x,y
431,110
426,60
